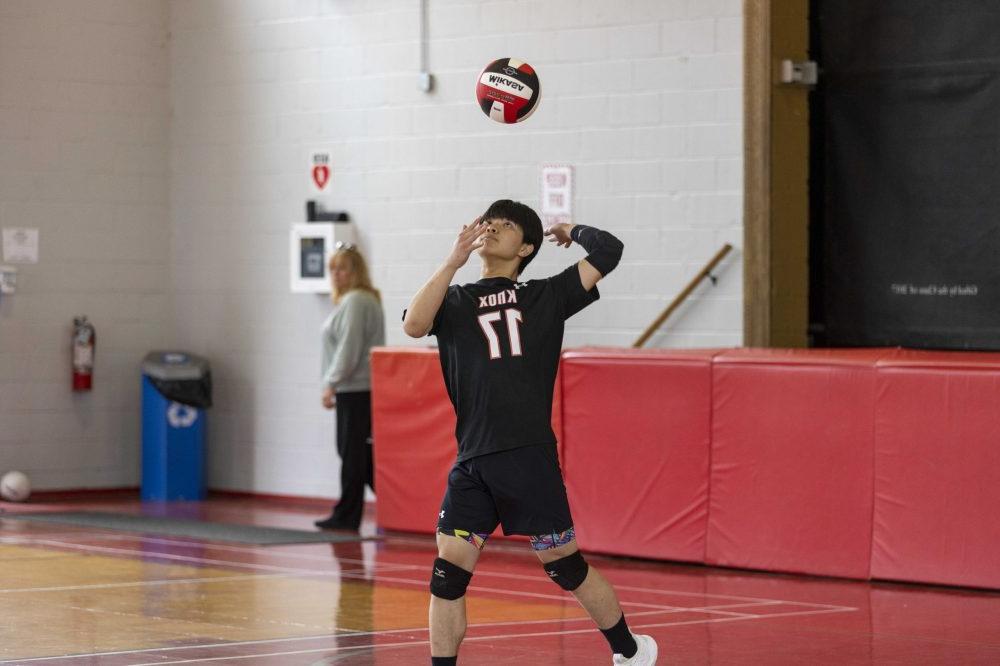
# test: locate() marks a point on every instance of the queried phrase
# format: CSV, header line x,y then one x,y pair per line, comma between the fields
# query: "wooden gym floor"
x,y
83,596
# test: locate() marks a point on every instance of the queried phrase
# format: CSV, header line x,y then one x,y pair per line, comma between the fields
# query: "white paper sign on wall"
x,y
320,170
557,193
20,245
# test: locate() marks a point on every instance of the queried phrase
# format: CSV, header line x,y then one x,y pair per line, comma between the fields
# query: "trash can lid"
x,y
173,365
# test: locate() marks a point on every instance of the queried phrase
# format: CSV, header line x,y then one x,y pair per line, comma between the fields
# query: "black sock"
x,y
444,661
620,639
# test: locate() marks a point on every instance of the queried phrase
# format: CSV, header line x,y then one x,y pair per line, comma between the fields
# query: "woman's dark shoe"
x,y
333,523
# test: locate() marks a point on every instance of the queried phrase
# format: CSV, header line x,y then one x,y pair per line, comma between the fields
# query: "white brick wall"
x,y
645,102
84,125
200,142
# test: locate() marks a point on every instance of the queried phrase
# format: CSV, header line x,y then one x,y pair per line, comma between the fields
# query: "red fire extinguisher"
x,y
84,339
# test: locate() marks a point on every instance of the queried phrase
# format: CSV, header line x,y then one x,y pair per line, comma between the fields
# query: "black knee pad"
x,y
568,572
448,581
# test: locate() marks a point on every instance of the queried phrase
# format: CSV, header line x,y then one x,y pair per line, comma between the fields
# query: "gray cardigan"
x,y
355,326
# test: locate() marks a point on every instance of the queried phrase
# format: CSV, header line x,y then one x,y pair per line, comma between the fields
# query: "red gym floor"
x,y
81,596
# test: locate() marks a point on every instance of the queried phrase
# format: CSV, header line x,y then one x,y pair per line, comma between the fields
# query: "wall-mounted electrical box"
x,y
311,246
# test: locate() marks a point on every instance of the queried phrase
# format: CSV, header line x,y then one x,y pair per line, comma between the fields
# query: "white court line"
x,y
539,634
355,575
30,540
162,581
521,593
421,583
567,597
338,574
146,555
349,574
424,629
499,574
486,572
250,548
347,633
199,545
726,596
632,588
390,567
194,542
286,654
503,574
755,617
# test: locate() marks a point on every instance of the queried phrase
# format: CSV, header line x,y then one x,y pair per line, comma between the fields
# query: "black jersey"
x,y
499,343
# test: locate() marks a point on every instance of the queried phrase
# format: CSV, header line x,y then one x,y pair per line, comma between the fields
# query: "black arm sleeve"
x,y
604,250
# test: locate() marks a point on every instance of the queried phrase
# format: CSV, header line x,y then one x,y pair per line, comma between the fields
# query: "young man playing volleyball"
x,y
499,341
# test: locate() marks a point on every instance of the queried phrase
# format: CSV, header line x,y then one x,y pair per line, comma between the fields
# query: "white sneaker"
x,y
644,656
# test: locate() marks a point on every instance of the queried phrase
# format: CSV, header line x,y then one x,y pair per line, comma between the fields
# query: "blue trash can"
x,y
176,390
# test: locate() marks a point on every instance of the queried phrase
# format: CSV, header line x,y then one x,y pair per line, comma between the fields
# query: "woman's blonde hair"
x,y
360,279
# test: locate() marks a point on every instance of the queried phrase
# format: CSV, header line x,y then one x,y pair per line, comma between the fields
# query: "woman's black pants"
x,y
354,444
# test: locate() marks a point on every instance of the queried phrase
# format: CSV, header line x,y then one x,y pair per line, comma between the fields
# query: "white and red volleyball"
x,y
508,90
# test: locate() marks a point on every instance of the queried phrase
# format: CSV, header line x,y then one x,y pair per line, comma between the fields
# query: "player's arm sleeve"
x,y
572,293
604,250
351,346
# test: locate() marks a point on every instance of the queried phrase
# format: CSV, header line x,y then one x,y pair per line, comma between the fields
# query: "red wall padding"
x,y
765,459
636,450
413,431
937,469
792,446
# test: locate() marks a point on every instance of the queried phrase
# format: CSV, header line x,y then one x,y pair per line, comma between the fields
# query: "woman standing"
x,y
352,329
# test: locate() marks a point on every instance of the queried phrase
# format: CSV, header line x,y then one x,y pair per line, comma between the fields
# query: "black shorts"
x,y
521,489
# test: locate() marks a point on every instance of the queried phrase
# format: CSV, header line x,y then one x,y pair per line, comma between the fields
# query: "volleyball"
x,y
508,90
15,487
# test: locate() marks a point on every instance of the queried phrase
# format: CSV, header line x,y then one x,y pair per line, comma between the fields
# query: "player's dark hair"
x,y
525,218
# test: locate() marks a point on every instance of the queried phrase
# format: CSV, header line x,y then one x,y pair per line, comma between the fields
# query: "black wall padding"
x,y
909,99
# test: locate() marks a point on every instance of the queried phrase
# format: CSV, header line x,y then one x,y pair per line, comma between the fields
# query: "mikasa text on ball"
x,y
508,90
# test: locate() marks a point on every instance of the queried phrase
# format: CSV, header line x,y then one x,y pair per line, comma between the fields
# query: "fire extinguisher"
x,y
84,339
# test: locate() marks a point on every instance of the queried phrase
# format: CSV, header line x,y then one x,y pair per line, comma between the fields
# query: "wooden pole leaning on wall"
x,y
681,297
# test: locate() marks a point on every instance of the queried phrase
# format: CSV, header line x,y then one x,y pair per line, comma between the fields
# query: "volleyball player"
x,y
499,341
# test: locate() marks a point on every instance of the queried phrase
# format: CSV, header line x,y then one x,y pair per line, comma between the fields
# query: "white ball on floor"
x,y
15,486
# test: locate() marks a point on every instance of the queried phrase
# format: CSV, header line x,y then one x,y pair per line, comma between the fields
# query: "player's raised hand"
x,y
559,234
470,239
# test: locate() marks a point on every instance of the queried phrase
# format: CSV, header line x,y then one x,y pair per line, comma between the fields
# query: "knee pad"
x,y
568,572
448,581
